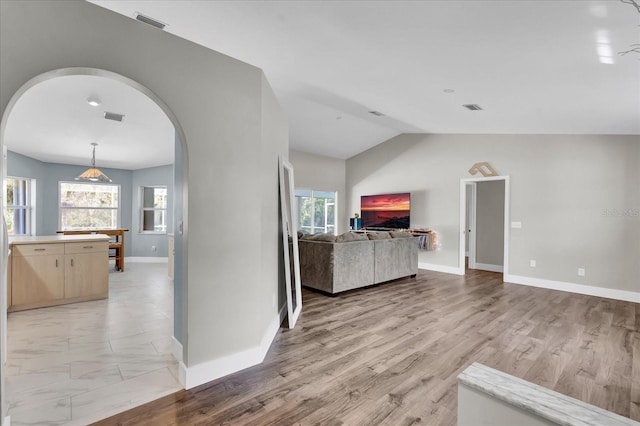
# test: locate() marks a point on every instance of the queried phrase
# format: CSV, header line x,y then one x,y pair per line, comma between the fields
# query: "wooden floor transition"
x,y
390,355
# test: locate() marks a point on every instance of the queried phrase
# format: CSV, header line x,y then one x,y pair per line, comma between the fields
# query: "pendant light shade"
x,y
93,174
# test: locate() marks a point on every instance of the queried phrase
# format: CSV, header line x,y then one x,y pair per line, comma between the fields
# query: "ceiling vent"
x,y
473,107
376,113
113,116
140,17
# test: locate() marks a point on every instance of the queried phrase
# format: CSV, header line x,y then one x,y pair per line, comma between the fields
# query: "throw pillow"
x,y
379,235
400,234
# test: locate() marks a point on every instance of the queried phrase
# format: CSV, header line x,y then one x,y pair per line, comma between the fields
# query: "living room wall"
x,y
312,171
576,196
218,105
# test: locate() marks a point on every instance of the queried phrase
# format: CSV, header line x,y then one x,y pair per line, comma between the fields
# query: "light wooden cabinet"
x,y
86,270
172,256
57,273
40,270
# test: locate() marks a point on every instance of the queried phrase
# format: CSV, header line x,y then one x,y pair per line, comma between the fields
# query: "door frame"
x,y
472,223
463,215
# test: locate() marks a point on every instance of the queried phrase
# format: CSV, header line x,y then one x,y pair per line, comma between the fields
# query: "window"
x,y
316,211
19,211
154,209
89,205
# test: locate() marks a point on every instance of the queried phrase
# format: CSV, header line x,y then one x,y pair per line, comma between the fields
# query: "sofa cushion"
x,y
329,238
400,234
378,235
351,236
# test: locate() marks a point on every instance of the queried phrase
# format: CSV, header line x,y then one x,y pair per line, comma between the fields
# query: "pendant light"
x,y
92,174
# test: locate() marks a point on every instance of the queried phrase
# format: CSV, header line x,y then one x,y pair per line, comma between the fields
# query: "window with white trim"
x,y
154,210
89,205
19,211
316,211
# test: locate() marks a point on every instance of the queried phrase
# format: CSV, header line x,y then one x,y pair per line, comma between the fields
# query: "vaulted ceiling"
x,y
536,67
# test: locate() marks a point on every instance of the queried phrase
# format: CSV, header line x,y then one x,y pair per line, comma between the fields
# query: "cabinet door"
x,y
37,279
86,274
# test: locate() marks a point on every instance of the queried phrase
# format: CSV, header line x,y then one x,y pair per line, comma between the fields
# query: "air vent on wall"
x,y
113,116
140,17
473,107
376,113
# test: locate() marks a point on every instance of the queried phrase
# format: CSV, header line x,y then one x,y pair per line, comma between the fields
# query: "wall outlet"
x,y
581,272
532,263
153,249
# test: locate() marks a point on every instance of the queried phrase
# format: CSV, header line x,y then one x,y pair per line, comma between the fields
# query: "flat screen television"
x,y
390,211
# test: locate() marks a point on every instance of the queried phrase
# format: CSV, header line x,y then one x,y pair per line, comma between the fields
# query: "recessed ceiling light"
x,y
93,101
473,107
376,113
448,90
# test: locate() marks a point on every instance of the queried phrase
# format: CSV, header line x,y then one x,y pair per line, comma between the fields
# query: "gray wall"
x,y
322,173
48,176
576,196
490,223
233,133
141,244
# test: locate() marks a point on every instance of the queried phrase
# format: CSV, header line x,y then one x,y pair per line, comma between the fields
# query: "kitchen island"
x,y
57,269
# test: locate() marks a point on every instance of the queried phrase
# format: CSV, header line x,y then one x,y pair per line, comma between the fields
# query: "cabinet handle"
x,y
39,249
72,262
87,247
56,263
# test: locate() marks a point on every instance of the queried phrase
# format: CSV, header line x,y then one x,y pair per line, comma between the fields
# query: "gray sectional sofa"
x,y
334,264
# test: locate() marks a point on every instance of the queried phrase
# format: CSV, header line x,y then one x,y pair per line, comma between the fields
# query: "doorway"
x,y
484,218
180,208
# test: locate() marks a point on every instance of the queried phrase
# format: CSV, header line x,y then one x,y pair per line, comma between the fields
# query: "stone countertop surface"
x,y
538,400
59,238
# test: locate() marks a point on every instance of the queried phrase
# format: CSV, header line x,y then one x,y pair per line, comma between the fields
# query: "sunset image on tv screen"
x,y
386,210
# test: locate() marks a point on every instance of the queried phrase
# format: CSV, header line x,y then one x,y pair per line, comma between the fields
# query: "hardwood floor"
x,y
390,355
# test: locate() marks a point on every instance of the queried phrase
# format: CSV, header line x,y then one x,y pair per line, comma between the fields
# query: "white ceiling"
x,y
53,122
534,66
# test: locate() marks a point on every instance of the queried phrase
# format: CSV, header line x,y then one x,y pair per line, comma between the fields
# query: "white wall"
x,y
218,105
322,173
576,196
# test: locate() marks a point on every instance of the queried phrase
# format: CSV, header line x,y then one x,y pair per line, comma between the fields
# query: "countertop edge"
x,y
538,400
52,239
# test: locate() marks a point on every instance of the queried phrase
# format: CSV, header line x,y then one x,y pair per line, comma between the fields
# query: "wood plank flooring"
x,y
390,355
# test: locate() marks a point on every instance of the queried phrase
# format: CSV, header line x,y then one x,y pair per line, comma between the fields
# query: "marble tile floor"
x,y
78,363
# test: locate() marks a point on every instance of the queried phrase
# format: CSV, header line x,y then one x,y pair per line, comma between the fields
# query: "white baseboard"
x,y
441,268
196,375
136,259
488,267
609,293
176,349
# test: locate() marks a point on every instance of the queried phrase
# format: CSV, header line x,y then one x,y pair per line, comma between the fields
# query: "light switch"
x,y
516,225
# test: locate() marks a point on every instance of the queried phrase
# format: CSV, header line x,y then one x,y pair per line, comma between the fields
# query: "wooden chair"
x,y
116,251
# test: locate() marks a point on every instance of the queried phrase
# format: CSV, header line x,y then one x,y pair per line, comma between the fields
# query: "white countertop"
x,y
58,238
550,405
